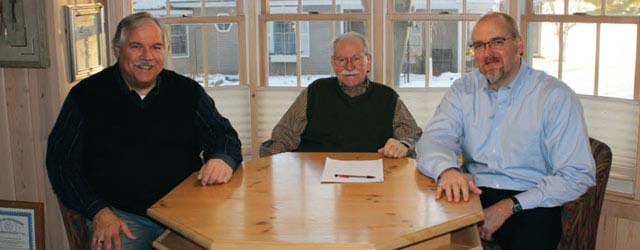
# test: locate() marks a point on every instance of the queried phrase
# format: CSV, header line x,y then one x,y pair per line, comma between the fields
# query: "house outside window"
x,y
282,40
223,27
179,41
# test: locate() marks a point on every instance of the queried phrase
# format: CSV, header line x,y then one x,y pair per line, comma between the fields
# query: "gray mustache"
x,y
143,64
349,72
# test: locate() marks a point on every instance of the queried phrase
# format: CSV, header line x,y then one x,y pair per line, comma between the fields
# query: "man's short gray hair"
x,y
132,21
512,25
350,35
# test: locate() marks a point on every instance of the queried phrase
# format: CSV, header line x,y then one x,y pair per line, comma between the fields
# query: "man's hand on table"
x,y
456,185
394,149
214,171
106,230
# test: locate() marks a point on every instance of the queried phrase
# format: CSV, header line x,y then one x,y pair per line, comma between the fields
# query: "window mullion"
x,y
464,7
596,73
636,87
427,52
205,58
298,47
168,39
560,48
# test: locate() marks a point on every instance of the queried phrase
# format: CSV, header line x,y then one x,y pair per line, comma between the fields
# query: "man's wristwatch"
x,y
516,205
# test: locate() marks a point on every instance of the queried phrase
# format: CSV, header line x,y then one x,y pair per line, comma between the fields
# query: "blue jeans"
x,y
145,230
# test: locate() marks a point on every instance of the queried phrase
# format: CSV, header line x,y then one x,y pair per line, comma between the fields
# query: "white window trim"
x,y
218,27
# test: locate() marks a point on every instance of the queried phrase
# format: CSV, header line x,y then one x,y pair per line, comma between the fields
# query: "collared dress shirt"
x,y
286,134
529,136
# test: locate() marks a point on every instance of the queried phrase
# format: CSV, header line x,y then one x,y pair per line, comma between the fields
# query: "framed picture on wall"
x,y
21,225
23,34
86,38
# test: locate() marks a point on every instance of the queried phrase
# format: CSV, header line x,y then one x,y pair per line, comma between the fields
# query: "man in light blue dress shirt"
x,y
522,136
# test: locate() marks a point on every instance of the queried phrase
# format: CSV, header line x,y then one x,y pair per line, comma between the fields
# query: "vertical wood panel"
x,y
21,137
606,238
36,105
7,189
627,235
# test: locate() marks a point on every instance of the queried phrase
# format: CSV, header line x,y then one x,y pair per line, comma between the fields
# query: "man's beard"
x,y
496,74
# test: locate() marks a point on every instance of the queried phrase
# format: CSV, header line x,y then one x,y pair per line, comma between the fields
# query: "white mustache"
x,y
143,63
349,72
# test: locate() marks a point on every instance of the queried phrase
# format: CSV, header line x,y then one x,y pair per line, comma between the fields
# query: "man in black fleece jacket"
x,y
130,133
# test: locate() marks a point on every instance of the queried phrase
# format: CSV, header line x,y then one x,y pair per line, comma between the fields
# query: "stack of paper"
x,y
352,171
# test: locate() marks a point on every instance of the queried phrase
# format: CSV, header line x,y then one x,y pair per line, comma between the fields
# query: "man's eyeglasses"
x,y
357,60
495,43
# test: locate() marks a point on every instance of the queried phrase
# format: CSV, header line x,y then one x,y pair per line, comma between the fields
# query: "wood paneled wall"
x,y
619,224
30,103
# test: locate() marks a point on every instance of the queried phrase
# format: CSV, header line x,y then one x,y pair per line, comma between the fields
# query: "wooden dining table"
x,y
278,202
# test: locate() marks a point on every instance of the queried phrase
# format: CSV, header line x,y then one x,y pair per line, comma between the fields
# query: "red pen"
x,y
353,176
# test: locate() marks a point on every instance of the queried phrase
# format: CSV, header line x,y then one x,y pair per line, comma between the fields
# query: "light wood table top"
x,y
278,202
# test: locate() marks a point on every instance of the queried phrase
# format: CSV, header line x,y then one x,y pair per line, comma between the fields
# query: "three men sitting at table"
x,y
346,113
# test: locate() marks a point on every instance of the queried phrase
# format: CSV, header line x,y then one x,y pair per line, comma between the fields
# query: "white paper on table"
x,y
352,171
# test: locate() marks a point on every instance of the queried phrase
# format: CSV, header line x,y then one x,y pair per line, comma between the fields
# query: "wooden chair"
x,y
580,217
76,227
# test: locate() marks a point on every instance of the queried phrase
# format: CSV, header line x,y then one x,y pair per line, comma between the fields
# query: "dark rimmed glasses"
x,y
494,43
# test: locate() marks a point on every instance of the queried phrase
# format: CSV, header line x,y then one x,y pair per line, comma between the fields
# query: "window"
x,y
298,37
353,26
179,41
204,46
282,40
430,50
593,50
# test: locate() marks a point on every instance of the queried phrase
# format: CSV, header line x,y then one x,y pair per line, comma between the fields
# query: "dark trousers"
x,y
536,229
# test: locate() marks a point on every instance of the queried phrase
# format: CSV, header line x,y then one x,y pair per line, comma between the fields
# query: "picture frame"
x,y
23,34
86,39
21,225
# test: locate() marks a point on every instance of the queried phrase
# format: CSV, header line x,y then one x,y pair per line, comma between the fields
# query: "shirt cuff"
x,y
530,199
94,208
227,159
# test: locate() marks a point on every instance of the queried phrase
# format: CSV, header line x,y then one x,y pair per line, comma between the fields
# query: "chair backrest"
x,y
580,217
76,227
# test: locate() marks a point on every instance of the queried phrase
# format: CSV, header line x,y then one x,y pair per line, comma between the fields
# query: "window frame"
x,y
266,18
530,17
238,19
464,17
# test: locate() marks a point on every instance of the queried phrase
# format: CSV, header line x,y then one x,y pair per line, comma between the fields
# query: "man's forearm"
x,y
64,156
405,128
